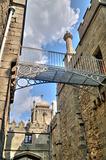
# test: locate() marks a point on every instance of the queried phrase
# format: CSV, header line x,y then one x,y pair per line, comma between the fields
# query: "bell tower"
x,y
41,112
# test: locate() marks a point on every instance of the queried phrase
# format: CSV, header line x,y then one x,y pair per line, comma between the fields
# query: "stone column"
x,y
68,38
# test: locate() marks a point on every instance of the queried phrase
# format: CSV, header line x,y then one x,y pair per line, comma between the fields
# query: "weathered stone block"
x,y
19,1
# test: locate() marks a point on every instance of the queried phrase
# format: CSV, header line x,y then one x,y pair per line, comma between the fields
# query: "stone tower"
x,y
68,38
69,47
12,14
41,115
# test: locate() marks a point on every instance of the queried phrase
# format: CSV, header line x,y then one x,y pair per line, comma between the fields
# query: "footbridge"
x,y
37,66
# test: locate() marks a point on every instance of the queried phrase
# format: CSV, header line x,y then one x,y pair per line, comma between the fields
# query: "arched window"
x,y
26,156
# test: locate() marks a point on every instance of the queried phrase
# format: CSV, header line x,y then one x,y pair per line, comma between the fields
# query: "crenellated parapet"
x,y
89,15
13,126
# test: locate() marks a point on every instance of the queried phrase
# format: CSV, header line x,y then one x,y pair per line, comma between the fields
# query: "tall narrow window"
x,y
28,138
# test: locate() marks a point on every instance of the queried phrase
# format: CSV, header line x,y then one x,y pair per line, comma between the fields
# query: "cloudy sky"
x,y
48,20
46,23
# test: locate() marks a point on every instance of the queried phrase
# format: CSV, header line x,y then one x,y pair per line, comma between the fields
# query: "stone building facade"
x,y
9,57
79,129
30,141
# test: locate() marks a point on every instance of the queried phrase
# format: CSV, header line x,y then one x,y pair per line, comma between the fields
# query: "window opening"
x,y
100,62
28,138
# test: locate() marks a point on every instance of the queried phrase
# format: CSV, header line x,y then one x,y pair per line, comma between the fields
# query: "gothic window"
x,y
28,138
100,62
35,115
44,116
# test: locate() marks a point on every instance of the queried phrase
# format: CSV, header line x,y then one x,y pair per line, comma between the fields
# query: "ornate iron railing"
x,y
49,66
85,64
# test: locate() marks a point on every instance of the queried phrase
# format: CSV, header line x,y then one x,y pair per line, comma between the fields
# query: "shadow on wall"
x,y
6,108
5,113
9,143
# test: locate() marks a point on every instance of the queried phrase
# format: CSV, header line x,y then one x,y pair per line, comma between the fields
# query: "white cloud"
x,y
33,55
48,20
23,103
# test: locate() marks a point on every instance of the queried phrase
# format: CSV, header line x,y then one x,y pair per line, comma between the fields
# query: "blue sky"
x,y
46,23
82,5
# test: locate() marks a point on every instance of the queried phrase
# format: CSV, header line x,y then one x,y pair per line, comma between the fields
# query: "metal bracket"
x,y
23,83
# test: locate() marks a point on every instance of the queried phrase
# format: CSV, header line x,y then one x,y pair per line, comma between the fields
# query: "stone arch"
x,y
27,155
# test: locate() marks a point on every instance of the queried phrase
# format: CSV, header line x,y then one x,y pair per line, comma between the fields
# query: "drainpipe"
x,y
11,12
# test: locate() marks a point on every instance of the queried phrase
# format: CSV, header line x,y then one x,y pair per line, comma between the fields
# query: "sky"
x,y
45,25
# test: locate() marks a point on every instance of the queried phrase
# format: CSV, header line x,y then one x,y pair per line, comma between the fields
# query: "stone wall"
x,y
93,112
83,109
10,54
68,136
56,141
3,16
93,100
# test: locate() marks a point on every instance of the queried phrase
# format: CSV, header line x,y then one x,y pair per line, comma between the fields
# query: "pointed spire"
x,y
34,104
42,96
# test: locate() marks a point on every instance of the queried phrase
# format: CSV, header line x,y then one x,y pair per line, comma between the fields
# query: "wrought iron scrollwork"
x,y
28,83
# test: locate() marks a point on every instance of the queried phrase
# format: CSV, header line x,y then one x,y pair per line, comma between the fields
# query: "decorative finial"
x,y
67,35
34,104
52,104
42,96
